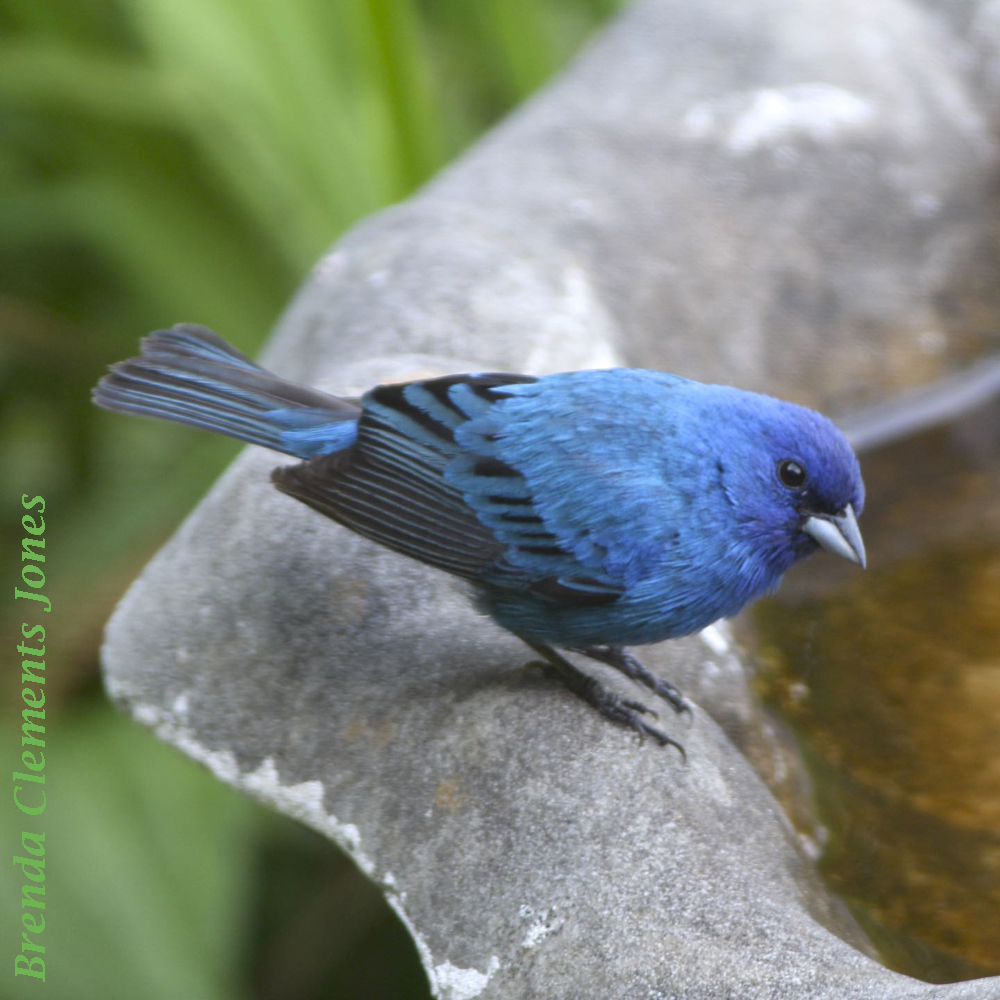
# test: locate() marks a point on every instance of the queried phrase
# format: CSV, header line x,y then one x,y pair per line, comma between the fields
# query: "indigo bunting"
x,y
589,510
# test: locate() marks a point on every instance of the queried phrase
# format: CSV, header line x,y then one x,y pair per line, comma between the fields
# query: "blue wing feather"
x,y
420,480
391,487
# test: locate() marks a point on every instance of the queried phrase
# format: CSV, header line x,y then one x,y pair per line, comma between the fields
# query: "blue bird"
x,y
589,510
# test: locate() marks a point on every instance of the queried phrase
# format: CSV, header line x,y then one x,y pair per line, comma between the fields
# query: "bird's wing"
x,y
577,591
398,486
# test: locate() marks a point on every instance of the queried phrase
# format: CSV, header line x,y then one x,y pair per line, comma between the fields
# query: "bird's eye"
x,y
791,473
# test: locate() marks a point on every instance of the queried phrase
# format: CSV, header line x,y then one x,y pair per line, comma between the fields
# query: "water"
x,y
891,681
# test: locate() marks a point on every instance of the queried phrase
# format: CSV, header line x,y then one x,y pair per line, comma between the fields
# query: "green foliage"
x,y
167,160
146,862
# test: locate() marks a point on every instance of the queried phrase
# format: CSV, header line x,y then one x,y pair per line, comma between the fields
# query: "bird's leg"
x,y
622,710
621,659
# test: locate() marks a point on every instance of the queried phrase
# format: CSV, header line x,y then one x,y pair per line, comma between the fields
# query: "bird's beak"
x,y
838,533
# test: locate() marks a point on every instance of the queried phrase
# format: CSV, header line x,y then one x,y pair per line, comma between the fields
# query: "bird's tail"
x,y
189,374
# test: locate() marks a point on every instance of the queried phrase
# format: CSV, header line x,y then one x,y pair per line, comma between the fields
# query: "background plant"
x,y
168,160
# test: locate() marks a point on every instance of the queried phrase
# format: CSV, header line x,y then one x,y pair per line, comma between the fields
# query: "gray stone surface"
x,y
790,197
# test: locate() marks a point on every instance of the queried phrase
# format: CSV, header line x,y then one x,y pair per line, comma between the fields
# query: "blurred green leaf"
x,y
146,867
167,160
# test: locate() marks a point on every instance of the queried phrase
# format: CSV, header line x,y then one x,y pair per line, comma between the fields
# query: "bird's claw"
x,y
624,711
629,713
638,706
630,665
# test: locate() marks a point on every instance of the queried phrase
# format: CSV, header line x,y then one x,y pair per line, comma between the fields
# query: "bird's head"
x,y
793,479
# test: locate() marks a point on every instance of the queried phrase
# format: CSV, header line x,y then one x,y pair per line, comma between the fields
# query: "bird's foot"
x,y
621,659
613,706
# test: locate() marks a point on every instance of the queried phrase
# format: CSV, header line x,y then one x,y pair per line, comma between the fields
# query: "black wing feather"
x,y
390,487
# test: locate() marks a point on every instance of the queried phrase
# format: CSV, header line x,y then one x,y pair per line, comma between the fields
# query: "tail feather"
x,y
190,375
193,341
